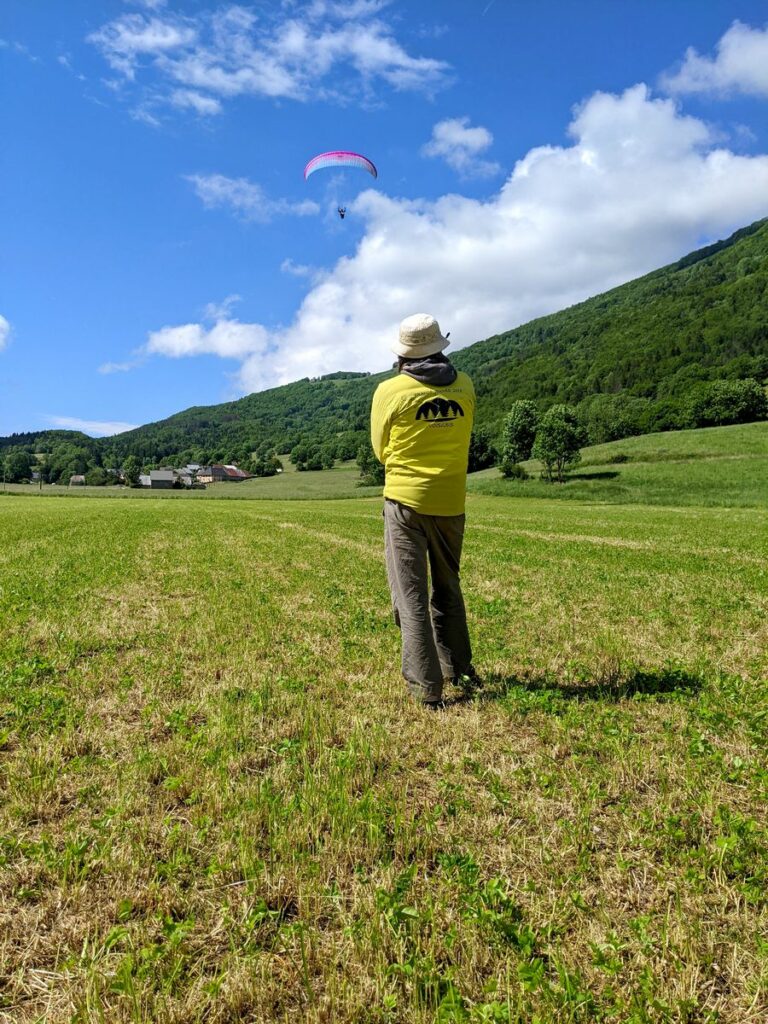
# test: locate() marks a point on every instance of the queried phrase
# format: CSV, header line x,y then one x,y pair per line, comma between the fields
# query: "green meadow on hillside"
x,y
219,805
745,439
715,466
725,466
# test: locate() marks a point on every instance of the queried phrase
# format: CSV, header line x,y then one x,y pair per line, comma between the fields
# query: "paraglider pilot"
x,y
342,211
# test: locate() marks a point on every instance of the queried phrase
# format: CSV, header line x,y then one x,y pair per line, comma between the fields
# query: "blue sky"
x,y
159,247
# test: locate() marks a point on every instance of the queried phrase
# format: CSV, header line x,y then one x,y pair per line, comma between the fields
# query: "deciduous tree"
x,y
132,471
518,435
558,440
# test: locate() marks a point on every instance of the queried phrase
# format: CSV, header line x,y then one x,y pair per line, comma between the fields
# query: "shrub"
x,y
727,401
371,470
481,451
299,454
17,466
612,417
310,457
98,477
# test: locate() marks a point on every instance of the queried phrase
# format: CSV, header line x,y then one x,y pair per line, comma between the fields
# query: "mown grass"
x,y
715,466
219,805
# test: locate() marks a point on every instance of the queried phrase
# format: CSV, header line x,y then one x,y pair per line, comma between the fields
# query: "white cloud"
x,y
289,266
460,145
246,198
65,59
351,9
151,5
639,186
227,338
19,48
5,332
123,367
188,99
220,310
132,36
740,66
327,49
100,428
146,117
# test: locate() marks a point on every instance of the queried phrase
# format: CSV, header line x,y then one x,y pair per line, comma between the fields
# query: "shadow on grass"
x,y
658,684
609,474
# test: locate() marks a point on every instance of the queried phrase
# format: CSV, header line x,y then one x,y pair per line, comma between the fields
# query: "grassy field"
x,y
742,440
716,466
343,481
219,805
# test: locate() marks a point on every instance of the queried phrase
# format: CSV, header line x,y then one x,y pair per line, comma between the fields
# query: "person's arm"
x,y
379,425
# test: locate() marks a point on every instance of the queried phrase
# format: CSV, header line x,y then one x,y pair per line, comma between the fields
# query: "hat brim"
x,y
428,348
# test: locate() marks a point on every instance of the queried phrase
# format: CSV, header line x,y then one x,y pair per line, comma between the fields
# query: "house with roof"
x,y
162,479
217,474
184,477
235,474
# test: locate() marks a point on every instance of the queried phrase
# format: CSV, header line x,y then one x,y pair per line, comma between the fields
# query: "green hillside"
x,y
724,467
275,419
633,360
650,342
44,440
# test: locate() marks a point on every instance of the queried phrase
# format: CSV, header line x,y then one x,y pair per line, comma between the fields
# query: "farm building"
x,y
162,479
235,474
77,480
221,474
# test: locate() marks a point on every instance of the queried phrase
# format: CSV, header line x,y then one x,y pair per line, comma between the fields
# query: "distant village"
x,y
190,476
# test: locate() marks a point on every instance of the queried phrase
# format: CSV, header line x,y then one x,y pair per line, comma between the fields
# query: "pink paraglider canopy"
x,y
340,158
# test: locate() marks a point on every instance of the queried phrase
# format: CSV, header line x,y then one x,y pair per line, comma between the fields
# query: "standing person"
x,y
421,421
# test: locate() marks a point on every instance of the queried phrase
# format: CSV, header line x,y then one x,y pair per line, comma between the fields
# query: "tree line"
x,y
553,436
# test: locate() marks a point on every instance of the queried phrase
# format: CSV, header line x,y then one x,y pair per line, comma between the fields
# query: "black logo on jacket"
x,y
439,409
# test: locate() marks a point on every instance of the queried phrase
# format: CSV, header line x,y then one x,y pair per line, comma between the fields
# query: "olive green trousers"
x,y
423,555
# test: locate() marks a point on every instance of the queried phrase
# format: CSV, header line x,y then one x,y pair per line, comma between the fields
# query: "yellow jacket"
x,y
421,433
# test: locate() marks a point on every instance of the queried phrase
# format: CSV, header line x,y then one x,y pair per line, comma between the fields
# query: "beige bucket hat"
x,y
419,336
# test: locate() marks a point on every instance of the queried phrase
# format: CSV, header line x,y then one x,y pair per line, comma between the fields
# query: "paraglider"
x,y
340,158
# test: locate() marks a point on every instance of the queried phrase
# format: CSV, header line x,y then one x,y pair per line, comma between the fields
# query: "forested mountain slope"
x,y
655,338
632,359
276,419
